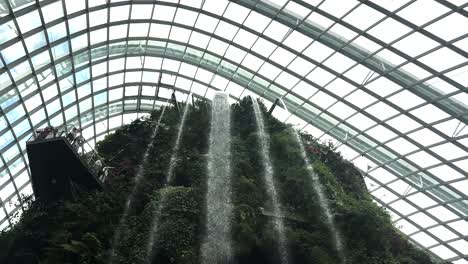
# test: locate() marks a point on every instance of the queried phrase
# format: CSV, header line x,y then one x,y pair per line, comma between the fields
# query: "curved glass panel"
x,y
388,90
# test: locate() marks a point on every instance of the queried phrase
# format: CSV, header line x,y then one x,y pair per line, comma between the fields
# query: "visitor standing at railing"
x,y
98,164
102,170
47,132
40,133
78,141
72,134
105,173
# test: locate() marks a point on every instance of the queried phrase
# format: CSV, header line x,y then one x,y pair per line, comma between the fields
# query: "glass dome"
x,y
384,81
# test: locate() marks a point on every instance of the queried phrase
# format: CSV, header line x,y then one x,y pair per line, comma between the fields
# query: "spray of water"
x,y
270,184
323,201
217,244
150,252
132,195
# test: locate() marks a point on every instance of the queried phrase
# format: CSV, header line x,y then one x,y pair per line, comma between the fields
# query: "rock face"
x,y
81,231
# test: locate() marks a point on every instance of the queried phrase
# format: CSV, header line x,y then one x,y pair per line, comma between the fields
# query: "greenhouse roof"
x,y
385,81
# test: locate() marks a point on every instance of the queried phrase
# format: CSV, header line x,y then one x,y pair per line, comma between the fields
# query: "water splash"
x,y
323,201
318,188
217,244
131,197
270,184
150,252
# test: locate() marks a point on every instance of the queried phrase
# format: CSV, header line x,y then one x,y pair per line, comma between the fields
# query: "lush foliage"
x,y
81,231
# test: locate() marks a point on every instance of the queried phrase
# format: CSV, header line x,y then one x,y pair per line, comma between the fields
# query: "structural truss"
x,y
385,81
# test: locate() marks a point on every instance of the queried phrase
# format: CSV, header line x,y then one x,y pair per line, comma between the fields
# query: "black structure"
x,y
176,104
58,170
273,106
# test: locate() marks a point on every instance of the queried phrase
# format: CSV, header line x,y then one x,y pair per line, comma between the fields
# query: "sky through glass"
x,y
385,81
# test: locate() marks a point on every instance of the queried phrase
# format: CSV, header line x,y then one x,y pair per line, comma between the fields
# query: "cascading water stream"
x,y
217,244
270,184
323,201
131,197
172,163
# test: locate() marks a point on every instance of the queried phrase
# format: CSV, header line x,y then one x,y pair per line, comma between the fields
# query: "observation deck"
x,y
58,168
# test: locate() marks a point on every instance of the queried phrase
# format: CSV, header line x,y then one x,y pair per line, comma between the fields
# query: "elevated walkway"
x,y
58,169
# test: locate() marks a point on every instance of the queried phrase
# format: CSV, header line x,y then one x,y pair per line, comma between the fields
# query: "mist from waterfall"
x,y
318,189
217,244
268,173
154,225
323,201
131,197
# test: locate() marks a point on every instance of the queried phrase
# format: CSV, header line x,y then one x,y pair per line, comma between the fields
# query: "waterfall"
x,y
318,189
216,247
270,183
172,163
323,201
131,197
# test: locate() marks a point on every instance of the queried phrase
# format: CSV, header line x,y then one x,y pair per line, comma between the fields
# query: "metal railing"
x,y
78,143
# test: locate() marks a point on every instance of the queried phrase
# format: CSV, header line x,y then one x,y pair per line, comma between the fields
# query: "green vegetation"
x,y
80,231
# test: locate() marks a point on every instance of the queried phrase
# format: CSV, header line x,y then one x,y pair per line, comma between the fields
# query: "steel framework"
x,y
389,89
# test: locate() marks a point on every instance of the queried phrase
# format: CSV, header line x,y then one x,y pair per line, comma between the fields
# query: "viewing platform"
x,y
58,167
